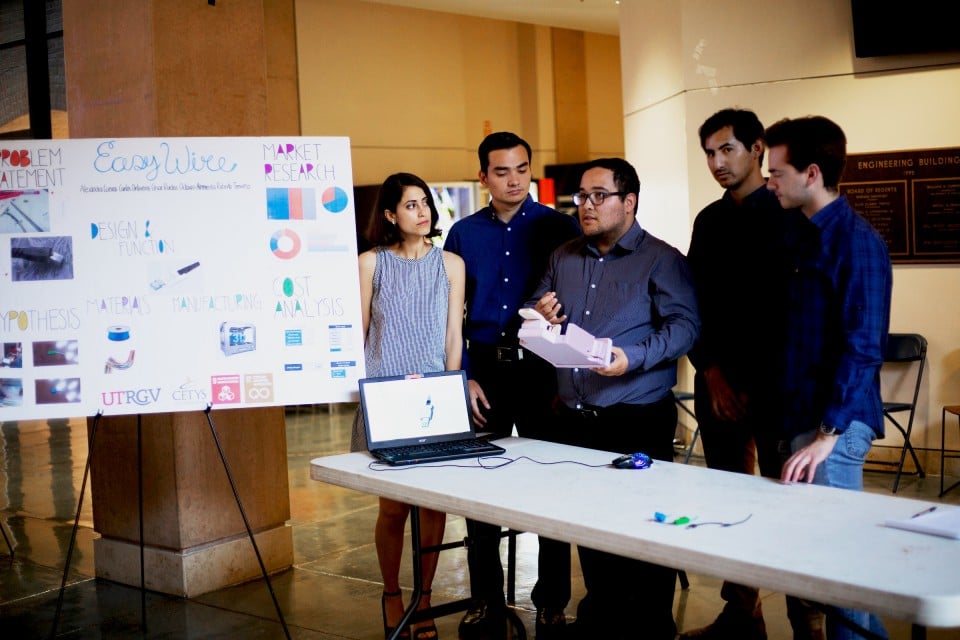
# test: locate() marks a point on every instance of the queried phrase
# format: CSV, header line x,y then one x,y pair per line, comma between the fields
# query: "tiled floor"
x,y
332,591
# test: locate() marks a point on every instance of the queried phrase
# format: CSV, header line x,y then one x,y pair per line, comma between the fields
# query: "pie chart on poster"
x,y
334,199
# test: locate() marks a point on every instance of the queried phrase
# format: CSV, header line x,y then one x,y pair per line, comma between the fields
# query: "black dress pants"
x,y
625,598
520,387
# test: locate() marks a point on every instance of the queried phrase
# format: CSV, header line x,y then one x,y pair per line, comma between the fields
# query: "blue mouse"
x,y
632,461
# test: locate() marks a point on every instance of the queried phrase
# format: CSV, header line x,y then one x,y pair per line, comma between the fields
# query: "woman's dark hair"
x,y
380,232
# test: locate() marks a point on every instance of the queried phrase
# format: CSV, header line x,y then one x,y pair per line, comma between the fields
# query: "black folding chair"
x,y
6,539
904,348
682,398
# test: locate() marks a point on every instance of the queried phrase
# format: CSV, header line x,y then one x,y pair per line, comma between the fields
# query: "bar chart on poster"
x,y
146,275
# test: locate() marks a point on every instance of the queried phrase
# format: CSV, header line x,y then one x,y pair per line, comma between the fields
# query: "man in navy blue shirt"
x,y
838,319
505,247
622,283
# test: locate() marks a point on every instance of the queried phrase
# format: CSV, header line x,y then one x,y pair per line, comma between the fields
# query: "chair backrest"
x,y
905,347
908,347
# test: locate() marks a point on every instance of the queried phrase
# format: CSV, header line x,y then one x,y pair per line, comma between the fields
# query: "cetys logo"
x,y
334,199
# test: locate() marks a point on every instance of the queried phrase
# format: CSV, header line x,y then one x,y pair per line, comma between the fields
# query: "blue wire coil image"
x,y
118,333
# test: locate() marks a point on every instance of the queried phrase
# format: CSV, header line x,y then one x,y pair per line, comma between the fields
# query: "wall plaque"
x,y
912,198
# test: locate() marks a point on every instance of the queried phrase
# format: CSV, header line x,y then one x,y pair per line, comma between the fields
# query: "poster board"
x,y
148,275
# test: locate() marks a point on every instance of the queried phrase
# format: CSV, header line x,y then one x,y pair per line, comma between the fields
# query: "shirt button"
x,y
586,313
507,252
504,306
600,260
506,279
509,229
503,333
579,406
576,370
593,286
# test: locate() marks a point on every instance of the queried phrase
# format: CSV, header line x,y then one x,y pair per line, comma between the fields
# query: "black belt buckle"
x,y
508,354
586,411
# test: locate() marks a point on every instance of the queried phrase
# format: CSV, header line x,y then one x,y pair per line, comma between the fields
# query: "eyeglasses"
x,y
596,197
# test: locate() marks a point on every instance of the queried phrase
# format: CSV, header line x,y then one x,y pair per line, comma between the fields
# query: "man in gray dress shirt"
x,y
620,282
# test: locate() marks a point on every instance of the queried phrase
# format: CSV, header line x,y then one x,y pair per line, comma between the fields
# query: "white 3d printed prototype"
x,y
575,348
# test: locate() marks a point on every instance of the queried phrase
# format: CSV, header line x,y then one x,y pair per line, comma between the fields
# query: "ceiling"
x,y
601,16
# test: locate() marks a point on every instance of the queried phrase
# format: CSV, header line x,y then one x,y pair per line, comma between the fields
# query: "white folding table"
x,y
824,544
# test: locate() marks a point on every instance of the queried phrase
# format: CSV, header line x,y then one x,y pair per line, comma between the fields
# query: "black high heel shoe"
x,y
387,630
428,631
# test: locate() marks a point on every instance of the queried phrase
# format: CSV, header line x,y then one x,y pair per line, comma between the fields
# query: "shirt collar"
x,y
628,242
830,216
524,208
759,197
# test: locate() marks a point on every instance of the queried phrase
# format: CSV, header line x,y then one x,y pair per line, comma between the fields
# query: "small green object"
x,y
683,520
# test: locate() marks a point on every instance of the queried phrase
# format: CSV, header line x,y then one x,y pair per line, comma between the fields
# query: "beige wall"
x,y
684,61
417,90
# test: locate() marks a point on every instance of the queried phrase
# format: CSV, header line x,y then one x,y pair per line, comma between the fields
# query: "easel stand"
x,y
143,596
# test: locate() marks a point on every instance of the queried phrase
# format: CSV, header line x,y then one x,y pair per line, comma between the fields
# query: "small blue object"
x,y
660,517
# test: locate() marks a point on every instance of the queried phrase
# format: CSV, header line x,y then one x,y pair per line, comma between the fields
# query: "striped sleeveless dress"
x,y
408,321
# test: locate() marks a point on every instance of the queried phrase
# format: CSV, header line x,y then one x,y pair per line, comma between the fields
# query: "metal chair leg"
x,y
3,530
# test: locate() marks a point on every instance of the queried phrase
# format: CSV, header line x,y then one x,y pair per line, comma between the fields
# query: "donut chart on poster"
x,y
285,244
146,275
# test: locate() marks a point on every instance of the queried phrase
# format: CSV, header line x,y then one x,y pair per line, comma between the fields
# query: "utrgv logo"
x,y
131,396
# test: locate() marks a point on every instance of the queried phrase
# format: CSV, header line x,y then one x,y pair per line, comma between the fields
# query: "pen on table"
x,y
930,510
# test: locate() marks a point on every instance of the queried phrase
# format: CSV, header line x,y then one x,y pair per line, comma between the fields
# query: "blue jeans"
x,y
843,469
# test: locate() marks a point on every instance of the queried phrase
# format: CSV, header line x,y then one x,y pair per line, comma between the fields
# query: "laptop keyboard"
x,y
468,447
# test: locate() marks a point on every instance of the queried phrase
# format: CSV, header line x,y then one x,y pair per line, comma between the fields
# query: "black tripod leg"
x,y
246,523
76,524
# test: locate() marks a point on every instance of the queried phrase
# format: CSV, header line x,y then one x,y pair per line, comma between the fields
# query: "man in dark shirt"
x,y
622,283
505,247
837,323
737,259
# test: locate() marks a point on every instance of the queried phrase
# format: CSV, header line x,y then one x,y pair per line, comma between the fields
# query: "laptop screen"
x,y
401,410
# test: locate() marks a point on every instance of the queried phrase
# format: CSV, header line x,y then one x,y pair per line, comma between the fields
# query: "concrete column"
x,y
186,68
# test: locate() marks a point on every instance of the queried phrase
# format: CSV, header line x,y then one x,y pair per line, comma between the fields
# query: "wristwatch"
x,y
827,430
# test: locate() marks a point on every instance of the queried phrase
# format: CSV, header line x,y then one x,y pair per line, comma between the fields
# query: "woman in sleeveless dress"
x,y
411,296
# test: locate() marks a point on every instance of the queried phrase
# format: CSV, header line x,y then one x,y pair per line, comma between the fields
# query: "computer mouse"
x,y
632,461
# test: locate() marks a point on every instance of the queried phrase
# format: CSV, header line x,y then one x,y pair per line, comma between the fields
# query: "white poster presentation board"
x,y
160,275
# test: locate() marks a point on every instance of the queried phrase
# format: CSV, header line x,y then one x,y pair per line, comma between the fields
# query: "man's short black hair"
x,y
811,140
746,126
624,175
500,140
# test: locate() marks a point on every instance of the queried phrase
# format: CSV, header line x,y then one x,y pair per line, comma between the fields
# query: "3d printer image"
x,y
237,337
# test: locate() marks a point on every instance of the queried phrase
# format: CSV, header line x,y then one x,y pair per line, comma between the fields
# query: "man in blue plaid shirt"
x,y
838,318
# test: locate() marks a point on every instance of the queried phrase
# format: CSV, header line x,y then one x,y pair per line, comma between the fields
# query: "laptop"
x,y
420,418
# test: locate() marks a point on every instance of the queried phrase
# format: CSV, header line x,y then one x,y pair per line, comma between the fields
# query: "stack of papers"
x,y
938,521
